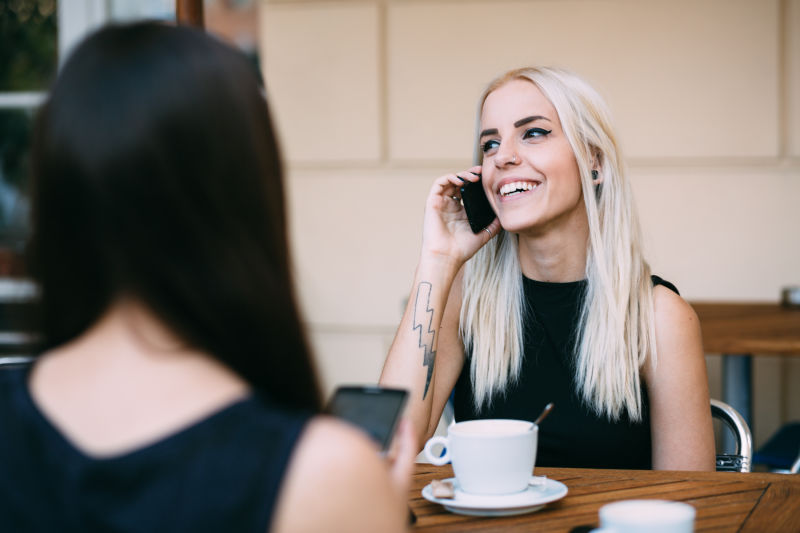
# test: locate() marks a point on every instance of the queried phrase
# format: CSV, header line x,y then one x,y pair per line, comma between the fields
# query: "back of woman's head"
x,y
156,177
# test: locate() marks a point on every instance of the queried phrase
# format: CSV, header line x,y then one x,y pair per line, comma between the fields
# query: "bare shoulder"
x,y
334,470
671,310
677,386
676,323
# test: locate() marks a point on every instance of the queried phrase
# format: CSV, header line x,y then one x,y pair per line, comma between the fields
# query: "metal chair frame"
x,y
11,360
742,460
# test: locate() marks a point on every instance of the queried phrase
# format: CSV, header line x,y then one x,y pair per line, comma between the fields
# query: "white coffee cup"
x,y
493,456
652,516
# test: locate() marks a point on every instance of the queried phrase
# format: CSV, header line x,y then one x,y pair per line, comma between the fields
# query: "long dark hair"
x,y
156,176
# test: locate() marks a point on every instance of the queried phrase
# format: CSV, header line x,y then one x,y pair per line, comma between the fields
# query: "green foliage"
x,y
28,60
28,44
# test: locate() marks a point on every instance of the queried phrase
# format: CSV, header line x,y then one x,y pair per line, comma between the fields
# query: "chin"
x,y
519,218
516,225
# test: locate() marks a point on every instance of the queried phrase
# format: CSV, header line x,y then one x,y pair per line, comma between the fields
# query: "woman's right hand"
x,y
446,232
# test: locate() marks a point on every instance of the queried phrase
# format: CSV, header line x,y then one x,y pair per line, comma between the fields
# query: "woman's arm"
x,y
426,355
336,481
406,366
680,411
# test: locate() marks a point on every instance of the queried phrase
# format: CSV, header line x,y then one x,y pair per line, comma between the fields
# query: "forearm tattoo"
x,y
423,321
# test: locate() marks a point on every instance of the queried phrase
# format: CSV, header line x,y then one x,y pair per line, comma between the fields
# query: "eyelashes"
x,y
536,132
529,134
489,145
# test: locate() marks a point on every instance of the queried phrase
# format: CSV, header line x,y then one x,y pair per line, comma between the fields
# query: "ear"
x,y
597,166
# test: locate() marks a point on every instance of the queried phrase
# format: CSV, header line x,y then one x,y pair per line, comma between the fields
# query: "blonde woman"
x,y
553,301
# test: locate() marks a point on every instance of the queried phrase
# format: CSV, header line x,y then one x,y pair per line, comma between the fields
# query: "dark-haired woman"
x,y
175,391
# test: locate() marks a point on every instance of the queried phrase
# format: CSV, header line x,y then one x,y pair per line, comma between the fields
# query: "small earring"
x,y
594,175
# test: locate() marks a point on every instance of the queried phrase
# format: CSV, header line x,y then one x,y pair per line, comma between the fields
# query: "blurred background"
x,y
375,98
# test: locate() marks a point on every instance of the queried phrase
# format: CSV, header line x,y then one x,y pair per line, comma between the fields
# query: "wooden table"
x,y
738,331
725,501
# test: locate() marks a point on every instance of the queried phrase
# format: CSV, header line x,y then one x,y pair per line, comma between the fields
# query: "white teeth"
x,y
517,187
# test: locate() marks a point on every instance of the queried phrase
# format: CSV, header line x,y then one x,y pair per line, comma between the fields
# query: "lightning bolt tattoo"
x,y
423,320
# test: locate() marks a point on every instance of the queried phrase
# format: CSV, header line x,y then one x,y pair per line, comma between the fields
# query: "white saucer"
x,y
527,501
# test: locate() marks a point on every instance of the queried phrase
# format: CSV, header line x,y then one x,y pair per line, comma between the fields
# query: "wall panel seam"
x,y
783,77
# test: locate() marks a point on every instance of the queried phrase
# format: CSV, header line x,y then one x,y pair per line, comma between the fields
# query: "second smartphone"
x,y
374,409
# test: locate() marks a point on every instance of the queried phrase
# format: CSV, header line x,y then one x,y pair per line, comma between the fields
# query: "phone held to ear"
x,y
376,410
479,211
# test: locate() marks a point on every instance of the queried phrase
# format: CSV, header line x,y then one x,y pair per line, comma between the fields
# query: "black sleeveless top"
x,y
220,474
572,436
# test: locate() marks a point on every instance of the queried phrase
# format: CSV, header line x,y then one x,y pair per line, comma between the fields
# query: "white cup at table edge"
x,y
651,516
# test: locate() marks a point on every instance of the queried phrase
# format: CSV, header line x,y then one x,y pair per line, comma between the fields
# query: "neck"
x,y
129,341
129,379
128,333
556,253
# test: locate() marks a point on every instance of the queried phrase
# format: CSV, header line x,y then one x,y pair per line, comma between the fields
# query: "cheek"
x,y
565,168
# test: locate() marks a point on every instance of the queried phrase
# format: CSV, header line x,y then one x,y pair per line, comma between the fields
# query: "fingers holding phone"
x,y
472,197
471,175
457,212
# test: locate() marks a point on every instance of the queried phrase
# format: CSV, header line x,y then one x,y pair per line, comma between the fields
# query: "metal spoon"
x,y
545,412
541,481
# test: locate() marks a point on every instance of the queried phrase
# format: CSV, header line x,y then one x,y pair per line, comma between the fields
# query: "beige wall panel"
x,y
347,358
717,233
677,74
722,233
792,58
356,237
321,68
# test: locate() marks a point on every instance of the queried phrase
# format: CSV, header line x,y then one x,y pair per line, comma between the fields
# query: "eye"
x,y
534,133
488,146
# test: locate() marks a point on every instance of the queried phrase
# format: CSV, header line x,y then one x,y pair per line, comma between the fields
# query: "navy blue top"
x,y
573,435
220,474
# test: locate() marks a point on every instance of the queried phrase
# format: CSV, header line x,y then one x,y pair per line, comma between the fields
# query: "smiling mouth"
x,y
517,187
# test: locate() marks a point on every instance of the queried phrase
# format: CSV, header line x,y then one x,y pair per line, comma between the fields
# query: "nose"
x,y
506,155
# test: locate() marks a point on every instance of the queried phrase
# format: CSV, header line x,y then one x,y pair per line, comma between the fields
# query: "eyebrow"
x,y
526,120
517,124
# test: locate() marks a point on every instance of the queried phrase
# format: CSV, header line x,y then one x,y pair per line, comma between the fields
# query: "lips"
x,y
512,188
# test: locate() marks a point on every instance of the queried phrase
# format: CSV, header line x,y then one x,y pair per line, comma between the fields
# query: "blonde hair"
x,y
616,329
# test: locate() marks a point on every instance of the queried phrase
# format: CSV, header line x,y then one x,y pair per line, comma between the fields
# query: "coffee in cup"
x,y
653,516
494,456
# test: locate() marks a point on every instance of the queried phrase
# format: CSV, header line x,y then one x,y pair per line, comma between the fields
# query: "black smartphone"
x,y
374,409
479,211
